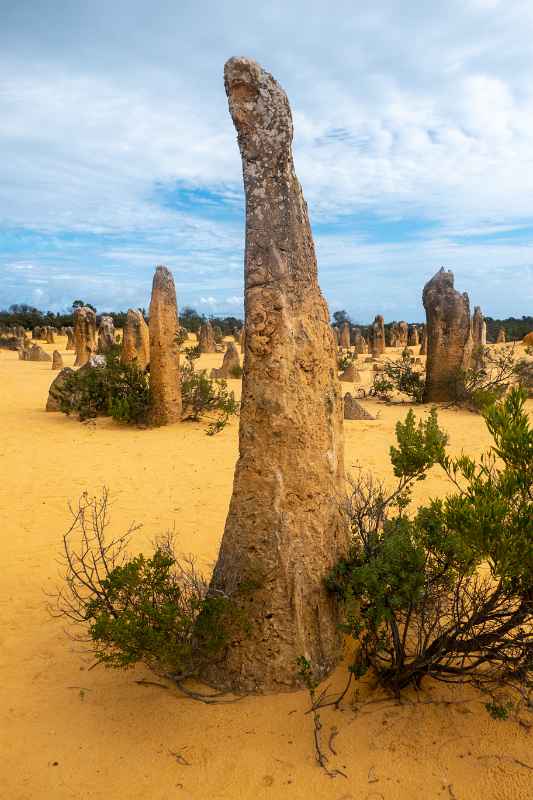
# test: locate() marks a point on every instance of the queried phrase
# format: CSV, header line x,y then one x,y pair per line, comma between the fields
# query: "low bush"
x,y
152,609
111,389
122,391
448,592
401,376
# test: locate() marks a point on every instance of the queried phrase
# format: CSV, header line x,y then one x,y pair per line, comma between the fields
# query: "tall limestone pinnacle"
x,y
449,337
284,528
165,384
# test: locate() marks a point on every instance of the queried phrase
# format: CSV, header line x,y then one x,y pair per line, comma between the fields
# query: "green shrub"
x,y
401,376
152,609
122,392
236,371
448,592
345,359
202,396
112,389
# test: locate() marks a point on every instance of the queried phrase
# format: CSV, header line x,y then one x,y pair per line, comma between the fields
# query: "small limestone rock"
x,y
501,337
230,363
36,353
353,409
57,361
55,391
350,374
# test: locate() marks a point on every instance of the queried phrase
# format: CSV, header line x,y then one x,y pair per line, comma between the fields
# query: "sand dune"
x,y
71,732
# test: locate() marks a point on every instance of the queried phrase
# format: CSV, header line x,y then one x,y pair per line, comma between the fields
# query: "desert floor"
x,y
71,732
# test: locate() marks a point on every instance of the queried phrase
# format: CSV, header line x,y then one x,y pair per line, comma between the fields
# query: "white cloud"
x,y
400,110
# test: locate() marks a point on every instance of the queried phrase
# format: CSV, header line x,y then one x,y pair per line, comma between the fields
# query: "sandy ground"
x,y
70,732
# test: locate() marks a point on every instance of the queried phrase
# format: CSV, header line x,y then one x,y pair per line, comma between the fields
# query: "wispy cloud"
x,y
413,143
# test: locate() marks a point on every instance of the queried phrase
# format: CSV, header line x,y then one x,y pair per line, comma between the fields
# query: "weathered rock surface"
x,y
527,341
50,338
423,343
230,363
284,528
501,337
449,338
165,385
413,340
57,360
353,409
106,334
56,388
403,334
135,340
206,338
84,334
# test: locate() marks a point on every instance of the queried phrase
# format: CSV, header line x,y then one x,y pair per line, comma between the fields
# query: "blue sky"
x,y
413,143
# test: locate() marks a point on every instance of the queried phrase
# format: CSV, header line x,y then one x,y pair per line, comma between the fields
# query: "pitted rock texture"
x,y
449,338
165,384
501,337
206,338
84,334
106,334
230,363
135,340
285,528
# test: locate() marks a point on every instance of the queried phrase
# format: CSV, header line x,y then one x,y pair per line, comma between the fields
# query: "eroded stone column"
x,y
135,340
449,337
478,323
165,384
344,336
106,334
84,335
377,336
284,529
206,338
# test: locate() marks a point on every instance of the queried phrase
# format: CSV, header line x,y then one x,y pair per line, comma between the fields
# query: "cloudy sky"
x,y
413,143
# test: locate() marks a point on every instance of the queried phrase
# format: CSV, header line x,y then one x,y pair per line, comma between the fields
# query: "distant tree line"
x,y
30,317
515,329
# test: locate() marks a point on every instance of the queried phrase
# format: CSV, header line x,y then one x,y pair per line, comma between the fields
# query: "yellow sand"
x,y
71,732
